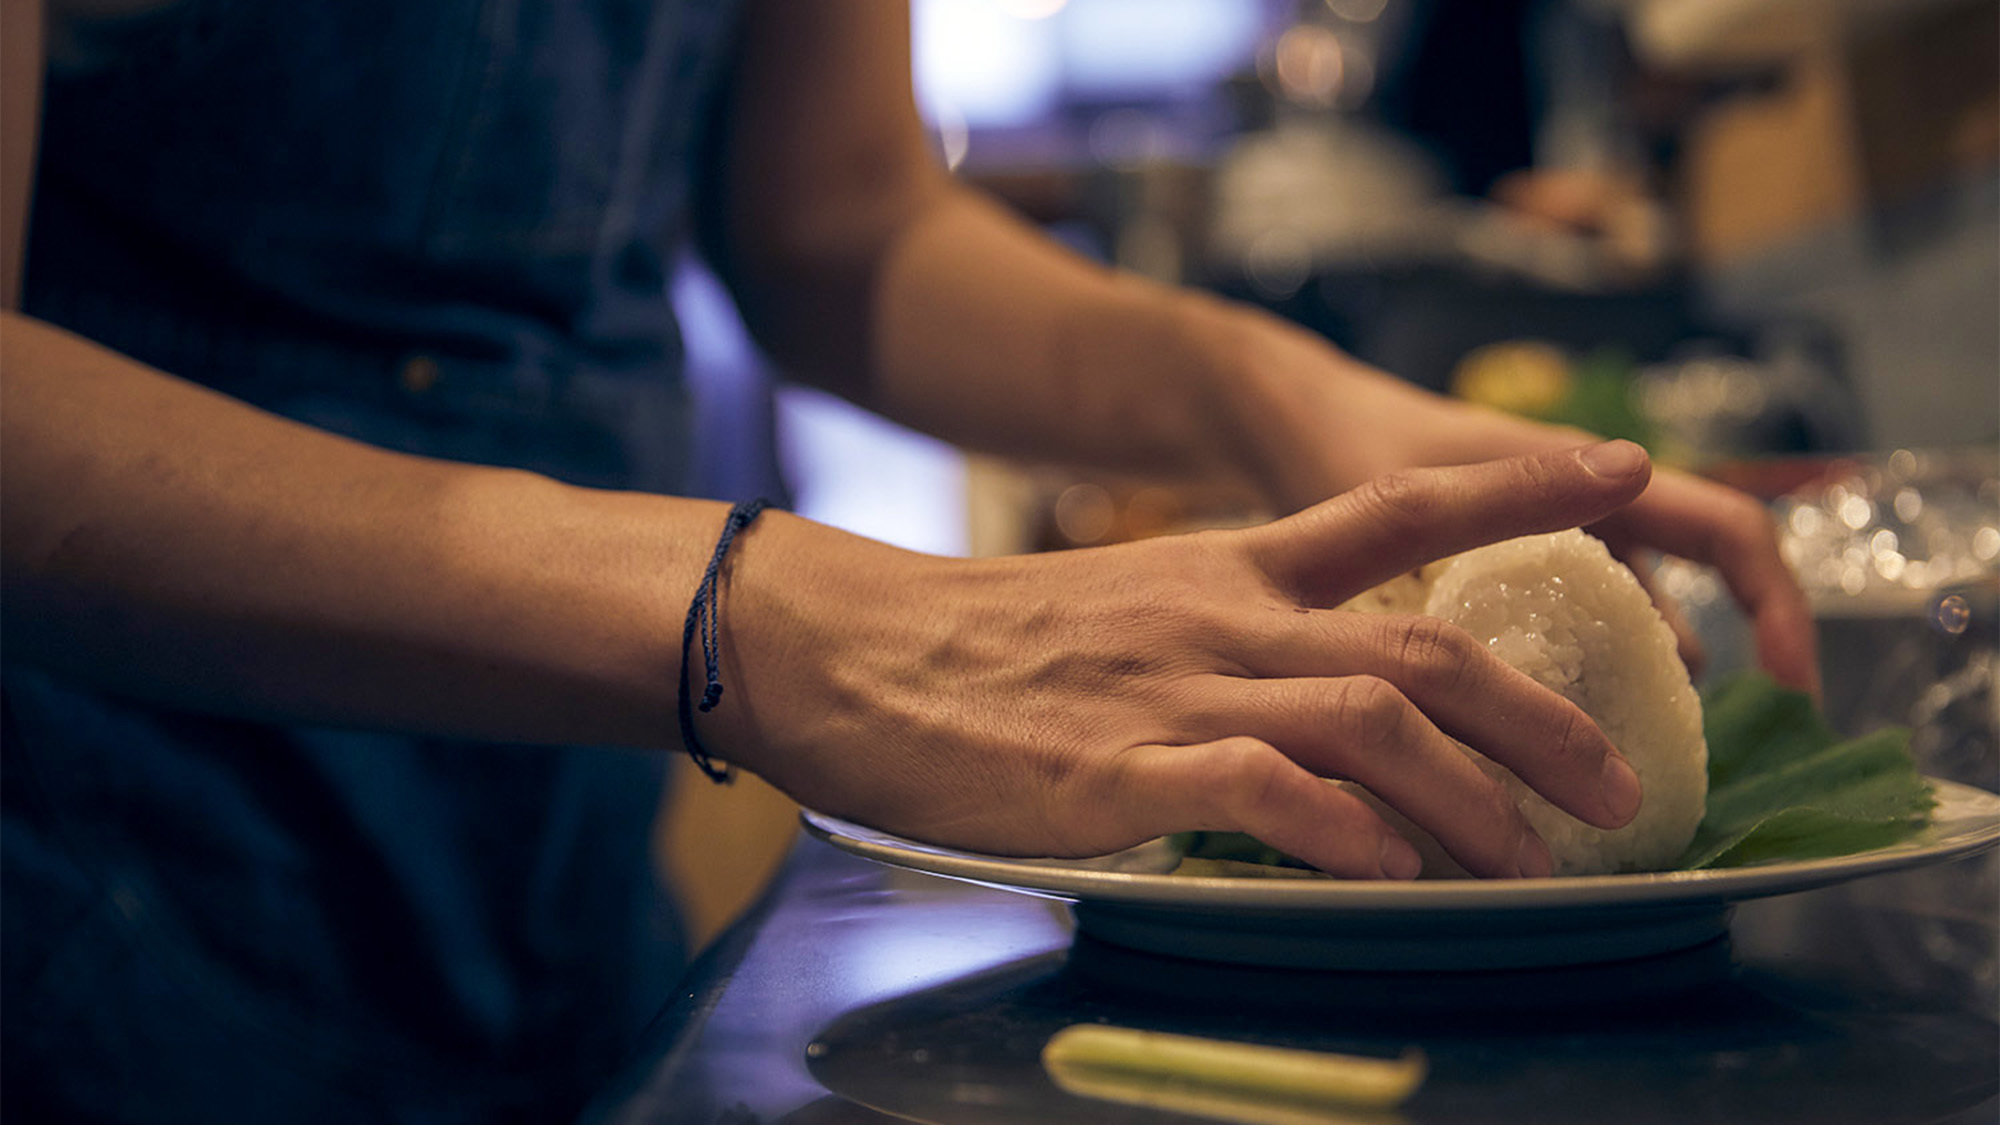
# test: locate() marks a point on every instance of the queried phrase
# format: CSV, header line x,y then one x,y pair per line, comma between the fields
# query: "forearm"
x,y
949,314
864,268
997,338
167,542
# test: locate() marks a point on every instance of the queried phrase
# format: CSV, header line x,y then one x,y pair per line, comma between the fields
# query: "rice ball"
x,y
1561,609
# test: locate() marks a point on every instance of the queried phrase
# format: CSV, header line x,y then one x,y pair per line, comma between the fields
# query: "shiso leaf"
x,y
1783,786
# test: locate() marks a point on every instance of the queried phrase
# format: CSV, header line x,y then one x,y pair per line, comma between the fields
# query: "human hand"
x,y
1712,524
1336,421
1080,702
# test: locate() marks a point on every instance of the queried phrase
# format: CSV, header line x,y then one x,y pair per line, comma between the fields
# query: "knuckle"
x,y
1577,742
1399,501
1435,652
1258,777
1370,709
1544,473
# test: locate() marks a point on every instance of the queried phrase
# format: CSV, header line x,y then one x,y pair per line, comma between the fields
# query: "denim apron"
x,y
437,226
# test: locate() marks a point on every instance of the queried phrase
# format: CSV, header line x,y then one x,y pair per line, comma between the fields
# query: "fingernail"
x,y
1399,859
1613,459
1620,789
1533,860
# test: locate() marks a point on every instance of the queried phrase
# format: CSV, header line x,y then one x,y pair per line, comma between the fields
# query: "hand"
x,y
1337,422
1709,523
1080,702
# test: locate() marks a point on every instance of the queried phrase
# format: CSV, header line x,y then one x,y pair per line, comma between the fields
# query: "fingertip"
x,y
1400,861
1788,647
1805,680
1614,460
1533,860
1620,791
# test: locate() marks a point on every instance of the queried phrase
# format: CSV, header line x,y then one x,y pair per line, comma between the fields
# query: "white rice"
x,y
1561,609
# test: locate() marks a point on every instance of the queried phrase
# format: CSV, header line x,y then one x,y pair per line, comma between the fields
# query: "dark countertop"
x,y
857,993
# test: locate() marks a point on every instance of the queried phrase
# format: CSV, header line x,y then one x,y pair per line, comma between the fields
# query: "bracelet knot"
x,y
705,617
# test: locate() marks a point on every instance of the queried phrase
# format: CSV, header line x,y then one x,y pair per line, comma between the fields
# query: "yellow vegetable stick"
x,y
1097,1053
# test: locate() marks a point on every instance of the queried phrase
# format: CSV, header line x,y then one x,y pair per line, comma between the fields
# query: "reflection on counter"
x,y
1744,1040
861,994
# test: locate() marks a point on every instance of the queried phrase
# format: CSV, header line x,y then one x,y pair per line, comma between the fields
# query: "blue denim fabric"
x,y
438,226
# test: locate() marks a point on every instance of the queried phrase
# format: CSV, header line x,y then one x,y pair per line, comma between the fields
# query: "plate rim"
x,y
1070,882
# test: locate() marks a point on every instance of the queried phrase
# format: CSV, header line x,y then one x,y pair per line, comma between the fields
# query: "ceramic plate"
x,y
1129,899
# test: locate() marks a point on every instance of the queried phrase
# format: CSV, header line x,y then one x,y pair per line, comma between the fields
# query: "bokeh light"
x,y
1310,64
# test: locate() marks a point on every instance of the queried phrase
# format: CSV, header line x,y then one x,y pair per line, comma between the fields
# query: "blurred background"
x,y
1762,237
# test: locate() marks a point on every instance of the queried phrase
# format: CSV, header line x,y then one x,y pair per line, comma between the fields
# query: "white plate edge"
x,y
1172,892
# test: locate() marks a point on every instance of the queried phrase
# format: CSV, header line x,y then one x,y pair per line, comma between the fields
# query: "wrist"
x,y
796,638
1290,412
1304,420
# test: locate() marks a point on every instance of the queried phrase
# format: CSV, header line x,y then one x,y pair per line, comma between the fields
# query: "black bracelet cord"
x,y
705,614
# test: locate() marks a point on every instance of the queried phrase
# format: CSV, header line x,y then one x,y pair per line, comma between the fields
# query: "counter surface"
x,y
857,993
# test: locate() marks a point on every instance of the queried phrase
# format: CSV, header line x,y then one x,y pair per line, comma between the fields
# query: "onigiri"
x,y
1560,608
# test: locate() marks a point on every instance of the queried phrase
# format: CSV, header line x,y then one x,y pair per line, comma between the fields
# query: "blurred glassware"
x,y
1900,557
1787,397
1898,534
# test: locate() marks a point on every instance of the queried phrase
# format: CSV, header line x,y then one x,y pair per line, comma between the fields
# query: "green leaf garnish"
x,y
1783,786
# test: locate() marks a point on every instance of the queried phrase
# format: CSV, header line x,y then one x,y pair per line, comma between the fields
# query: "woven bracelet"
x,y
705,615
